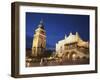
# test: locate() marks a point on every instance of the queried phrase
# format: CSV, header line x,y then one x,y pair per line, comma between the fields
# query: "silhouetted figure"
x,y
43,62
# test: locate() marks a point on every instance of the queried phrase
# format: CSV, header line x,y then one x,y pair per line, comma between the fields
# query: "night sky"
x,y
56,26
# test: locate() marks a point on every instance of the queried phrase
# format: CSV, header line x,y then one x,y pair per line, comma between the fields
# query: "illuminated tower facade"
x,y
39,40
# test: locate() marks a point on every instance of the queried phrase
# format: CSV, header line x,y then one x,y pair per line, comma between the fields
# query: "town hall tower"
x,y
39,40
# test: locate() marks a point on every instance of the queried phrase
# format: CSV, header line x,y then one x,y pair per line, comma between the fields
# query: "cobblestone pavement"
x,y
57,62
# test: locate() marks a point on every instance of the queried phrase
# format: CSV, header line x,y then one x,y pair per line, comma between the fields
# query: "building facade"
x,y
72,47
39,40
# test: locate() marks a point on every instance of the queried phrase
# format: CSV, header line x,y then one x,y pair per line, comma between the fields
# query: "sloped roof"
x,y
74,38
83,43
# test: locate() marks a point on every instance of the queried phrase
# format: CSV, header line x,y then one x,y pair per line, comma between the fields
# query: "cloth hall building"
x,y
73,47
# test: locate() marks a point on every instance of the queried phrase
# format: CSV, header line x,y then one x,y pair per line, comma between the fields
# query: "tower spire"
x,y
77,34
65,36
41,25
41,21
70,33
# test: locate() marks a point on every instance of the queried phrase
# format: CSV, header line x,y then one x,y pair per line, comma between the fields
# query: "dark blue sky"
x,y
56,26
